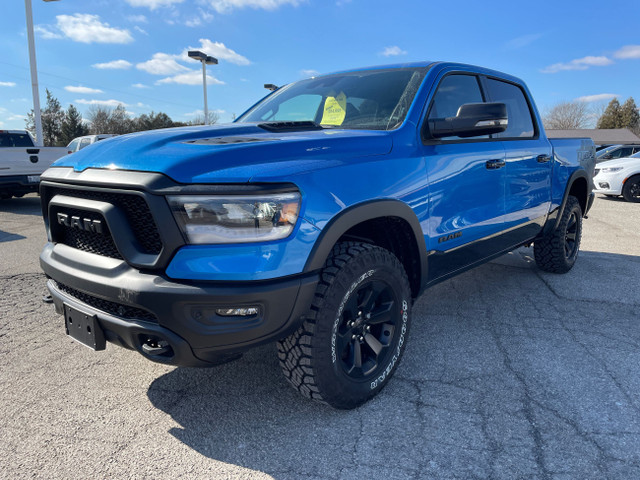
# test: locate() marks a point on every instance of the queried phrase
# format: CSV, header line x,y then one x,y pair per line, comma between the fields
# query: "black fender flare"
x,y
359,213
554,217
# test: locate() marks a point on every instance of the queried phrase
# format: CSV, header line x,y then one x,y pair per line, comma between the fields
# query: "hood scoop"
x,y
228,140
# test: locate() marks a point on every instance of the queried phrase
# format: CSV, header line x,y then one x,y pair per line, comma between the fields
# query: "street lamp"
x,y
205,60
34,72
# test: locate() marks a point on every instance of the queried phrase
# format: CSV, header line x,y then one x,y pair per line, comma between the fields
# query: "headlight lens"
x,y
611,169
235,219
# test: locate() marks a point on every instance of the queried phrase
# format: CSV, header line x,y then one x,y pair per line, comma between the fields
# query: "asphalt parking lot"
x,y
509,373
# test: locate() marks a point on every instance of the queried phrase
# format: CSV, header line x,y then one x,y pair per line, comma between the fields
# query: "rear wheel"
x,y
557,253
631,189
353,336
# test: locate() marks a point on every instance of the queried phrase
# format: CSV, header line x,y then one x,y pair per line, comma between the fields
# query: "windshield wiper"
x,y
290,126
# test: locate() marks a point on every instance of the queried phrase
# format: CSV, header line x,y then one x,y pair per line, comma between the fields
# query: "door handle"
x,y
495,164
543,158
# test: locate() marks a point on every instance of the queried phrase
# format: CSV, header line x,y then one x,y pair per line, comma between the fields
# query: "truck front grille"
x,y
133,206
113,308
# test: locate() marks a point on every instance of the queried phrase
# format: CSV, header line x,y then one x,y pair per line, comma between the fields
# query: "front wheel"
x,y
557,252
354,334
631,190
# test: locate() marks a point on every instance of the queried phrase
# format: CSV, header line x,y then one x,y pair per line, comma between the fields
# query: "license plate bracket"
x,y
84,328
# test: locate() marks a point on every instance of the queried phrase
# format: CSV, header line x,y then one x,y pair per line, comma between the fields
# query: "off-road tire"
x,y
631,189
320,358
557,252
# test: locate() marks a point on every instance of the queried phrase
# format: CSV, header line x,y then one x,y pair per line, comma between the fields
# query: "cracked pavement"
x,y
509,373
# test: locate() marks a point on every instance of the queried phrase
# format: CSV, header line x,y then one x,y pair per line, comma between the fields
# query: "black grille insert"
x,y
113,308
135,209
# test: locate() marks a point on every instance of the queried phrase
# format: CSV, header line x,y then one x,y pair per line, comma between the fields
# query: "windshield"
x,y
374,100
604,151
635,155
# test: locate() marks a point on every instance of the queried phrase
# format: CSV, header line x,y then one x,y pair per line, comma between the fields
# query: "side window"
x,y
85,142
518,112
453,92
73,145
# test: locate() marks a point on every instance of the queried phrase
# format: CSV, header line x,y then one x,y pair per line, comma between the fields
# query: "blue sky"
x,y
133,52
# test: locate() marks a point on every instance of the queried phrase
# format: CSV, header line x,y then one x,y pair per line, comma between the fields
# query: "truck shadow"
x,y
27,205
481,344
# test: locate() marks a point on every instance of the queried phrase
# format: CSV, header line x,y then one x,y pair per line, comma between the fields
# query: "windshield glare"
x,y
374,100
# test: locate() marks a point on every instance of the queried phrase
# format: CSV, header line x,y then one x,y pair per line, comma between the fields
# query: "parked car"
x,y
616,151
81,142
22,162
619,177
314,220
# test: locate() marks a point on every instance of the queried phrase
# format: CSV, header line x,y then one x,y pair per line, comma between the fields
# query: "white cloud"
x,y
140,30
226,6
137,19
578,64
7,84
201,18
113,65
152,4
46,32
193,77
597,98
102,103
522,41
15,116
218,50
139,85
392,51
80,89
85,28
309,73
628,52
161,64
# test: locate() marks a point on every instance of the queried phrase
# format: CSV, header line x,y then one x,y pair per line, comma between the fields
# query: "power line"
x,y
96,86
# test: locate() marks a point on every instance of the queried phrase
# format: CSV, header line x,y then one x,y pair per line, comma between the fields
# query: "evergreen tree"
x,y
52,118
72,125
611,118
629,116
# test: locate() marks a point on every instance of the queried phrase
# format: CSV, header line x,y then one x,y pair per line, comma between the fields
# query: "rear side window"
x,y
453,92
15,140
518,111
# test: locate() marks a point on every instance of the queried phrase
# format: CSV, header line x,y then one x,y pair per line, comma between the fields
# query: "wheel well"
x,y
393,234
580,191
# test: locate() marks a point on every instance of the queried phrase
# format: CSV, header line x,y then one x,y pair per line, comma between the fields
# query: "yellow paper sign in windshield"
x,y
335,109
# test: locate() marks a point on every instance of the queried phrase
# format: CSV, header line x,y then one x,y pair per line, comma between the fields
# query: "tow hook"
x,y
154,347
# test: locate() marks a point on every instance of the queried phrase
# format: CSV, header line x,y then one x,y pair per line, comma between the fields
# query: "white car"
x,y
80,142
619,177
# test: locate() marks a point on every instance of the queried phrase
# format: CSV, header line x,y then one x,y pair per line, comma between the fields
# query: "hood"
x,y
619,162
230,153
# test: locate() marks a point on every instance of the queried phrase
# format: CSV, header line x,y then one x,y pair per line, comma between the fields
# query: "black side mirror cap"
x,y
472,120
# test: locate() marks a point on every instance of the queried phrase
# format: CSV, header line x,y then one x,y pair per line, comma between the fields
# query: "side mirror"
x,y
473,119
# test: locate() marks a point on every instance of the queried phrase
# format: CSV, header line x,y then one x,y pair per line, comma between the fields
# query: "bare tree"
x,y
199,119
568,116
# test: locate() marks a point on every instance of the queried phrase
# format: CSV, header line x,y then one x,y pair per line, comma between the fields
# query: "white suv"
x,y
80,142
619,177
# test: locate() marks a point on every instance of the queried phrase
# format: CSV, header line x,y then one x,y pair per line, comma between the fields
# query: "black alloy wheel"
x,y
570,244
367,329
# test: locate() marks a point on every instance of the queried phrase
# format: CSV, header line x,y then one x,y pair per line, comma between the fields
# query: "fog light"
x,y
237,312
604,185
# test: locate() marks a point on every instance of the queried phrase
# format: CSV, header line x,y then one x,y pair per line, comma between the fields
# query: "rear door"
x,y
529,160
466,184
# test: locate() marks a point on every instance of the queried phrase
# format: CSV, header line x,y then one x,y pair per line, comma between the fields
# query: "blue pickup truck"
x,y
314,220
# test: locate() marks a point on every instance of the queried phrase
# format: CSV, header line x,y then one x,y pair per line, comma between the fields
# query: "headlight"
x,y
611,169
235,218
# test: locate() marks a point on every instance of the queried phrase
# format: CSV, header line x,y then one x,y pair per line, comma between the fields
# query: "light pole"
x,y
34,72
205,60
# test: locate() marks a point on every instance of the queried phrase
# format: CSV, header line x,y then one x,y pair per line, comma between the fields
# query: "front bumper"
x,y
132,306
609,183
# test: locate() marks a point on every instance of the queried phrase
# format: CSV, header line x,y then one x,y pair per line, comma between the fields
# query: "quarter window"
x,y
518,112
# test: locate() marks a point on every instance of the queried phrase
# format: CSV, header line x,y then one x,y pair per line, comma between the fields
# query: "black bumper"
x,y
17,185
133,306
